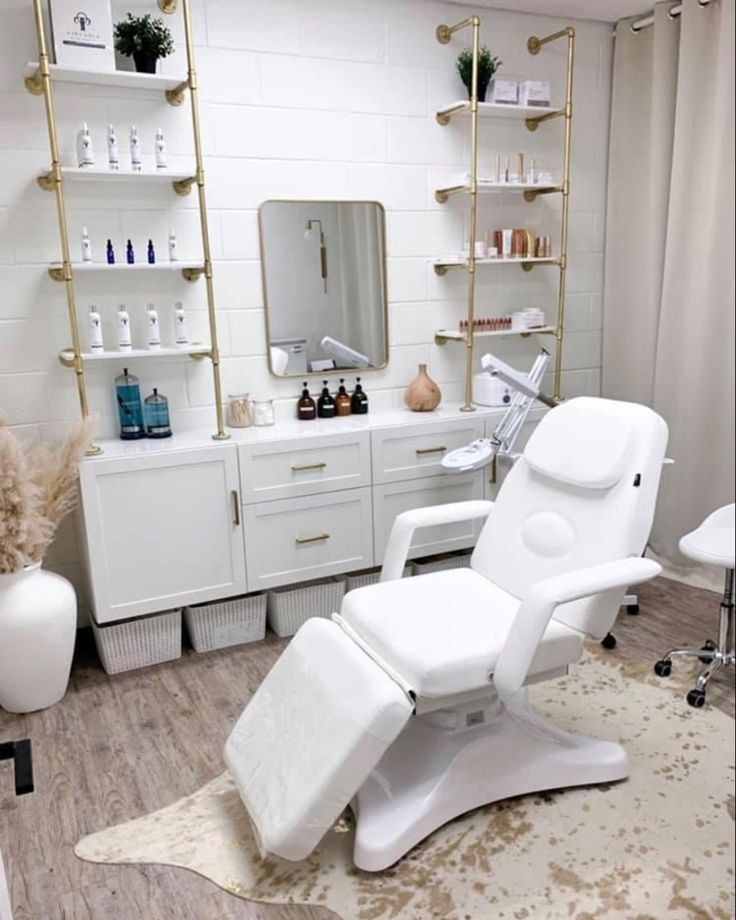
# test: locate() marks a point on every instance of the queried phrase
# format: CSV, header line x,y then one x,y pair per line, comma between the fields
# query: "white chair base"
x,y
714,655
436,771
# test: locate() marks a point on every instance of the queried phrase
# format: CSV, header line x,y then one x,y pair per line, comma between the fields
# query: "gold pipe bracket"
x,y
221,436
34,83
534,44
192,274
175,96
67,357
527,266
444,34
56,273
167,6
200,355
183,187
440,270
47,181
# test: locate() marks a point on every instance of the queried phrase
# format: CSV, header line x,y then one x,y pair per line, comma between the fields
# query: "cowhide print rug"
x,y
660,844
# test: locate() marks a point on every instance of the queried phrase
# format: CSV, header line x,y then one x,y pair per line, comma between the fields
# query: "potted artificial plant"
x,y
38,609
488,64
145,39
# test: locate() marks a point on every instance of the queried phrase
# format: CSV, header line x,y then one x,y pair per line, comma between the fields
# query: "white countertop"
x,y
292,428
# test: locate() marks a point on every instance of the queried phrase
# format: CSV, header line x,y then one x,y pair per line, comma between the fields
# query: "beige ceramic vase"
x,y
422,394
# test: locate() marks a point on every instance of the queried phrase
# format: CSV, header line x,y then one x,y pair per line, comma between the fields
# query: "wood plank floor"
x,y
119,747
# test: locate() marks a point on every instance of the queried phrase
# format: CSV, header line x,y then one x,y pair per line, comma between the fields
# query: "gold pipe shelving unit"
x,y
40,83
532,121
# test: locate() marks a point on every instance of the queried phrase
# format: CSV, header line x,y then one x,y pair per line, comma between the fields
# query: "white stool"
x,y
712,543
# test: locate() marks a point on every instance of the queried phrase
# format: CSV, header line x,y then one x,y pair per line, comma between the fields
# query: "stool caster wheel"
x,y
609,641
663,667
710,646
632,609
696,698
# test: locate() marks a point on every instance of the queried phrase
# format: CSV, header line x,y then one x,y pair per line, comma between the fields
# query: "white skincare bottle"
x,y
85,153
135,150
86,246
124,343
162,160
113,156
95,330
181,338
172,246
154,332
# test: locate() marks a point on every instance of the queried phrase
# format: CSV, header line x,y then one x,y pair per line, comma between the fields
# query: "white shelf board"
x,y
122,78
195,348
498,110
502,187
104,268
455,335
534,260
84,174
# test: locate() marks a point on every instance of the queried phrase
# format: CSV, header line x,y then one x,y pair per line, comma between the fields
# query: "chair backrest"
x,y
583,492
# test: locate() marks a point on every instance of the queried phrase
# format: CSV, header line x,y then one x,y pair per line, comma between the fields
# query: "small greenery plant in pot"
x,y
488,64
145,39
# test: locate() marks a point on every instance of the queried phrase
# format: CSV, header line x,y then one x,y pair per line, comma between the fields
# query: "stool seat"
x,y
714,541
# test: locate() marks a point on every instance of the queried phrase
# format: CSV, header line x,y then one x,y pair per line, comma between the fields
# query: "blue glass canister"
x,y
157,415
130,411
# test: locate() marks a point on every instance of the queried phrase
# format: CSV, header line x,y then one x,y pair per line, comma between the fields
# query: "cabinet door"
x,y
390,500
162,530
298,539
414,453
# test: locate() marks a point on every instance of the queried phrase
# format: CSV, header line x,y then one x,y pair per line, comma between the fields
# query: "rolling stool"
x,y
713,544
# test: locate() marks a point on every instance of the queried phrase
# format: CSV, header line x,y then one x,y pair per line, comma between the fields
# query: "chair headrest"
x,y
585,443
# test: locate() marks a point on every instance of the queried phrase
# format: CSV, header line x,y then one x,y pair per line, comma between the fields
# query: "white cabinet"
x,y
393,498
282,469
294,540
163,529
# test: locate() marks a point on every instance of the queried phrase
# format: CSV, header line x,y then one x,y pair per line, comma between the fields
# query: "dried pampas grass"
x,y
38,488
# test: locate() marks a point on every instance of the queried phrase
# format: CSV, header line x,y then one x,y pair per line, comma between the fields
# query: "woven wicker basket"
x,y
139,643
440,563
232,622
370,577
289,608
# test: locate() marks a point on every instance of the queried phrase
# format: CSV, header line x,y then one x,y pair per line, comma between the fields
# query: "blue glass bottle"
x,y
151,253
130,411
157,415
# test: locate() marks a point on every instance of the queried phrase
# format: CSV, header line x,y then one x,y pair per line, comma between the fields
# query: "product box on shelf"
x,y
82,34
534,92
505,92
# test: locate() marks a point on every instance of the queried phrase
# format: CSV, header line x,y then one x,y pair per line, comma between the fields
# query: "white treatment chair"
x,y
410,705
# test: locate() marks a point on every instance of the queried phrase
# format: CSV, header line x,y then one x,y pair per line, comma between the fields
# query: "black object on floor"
x,y
20,753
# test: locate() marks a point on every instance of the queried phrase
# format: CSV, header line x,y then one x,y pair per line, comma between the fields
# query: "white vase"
x,y
38,624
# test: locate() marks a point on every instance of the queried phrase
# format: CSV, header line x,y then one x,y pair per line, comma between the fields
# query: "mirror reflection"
x,y
324,277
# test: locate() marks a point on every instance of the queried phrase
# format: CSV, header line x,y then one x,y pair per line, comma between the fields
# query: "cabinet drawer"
x,y
282,469
391,499
299,539
400,455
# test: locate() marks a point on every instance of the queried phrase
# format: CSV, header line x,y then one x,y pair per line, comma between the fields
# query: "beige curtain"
x,y
669,289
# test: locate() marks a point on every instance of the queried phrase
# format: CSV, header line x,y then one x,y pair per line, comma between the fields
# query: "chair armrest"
x,y
540,603
402,532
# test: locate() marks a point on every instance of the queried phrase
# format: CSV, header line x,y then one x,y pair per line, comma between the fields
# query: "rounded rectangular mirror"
x,y
324,285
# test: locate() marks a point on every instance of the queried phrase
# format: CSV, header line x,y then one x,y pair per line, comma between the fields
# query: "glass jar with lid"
x,y
239,414
263,412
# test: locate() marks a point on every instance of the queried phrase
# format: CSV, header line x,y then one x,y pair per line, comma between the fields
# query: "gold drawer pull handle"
x,y
308,466
318,539
236,507
431,450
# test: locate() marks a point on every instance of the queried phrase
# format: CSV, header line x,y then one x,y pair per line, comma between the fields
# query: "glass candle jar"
x,y
238,411
263,413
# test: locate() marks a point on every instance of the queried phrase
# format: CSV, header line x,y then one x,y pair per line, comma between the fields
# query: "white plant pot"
x,y
38,624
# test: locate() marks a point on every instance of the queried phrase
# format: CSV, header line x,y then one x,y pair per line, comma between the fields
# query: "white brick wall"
x,y
331,98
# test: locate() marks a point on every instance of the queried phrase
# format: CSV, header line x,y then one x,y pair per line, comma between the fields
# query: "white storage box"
x,y
440,563
504,92
290,607
534,92
139,643
370,577
231,622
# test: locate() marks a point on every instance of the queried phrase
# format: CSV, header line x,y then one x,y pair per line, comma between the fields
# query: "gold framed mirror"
x,y
324,285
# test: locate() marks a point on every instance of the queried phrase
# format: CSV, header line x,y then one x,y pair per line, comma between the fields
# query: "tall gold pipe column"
x,y
534,45
56,180
444,34
221,434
